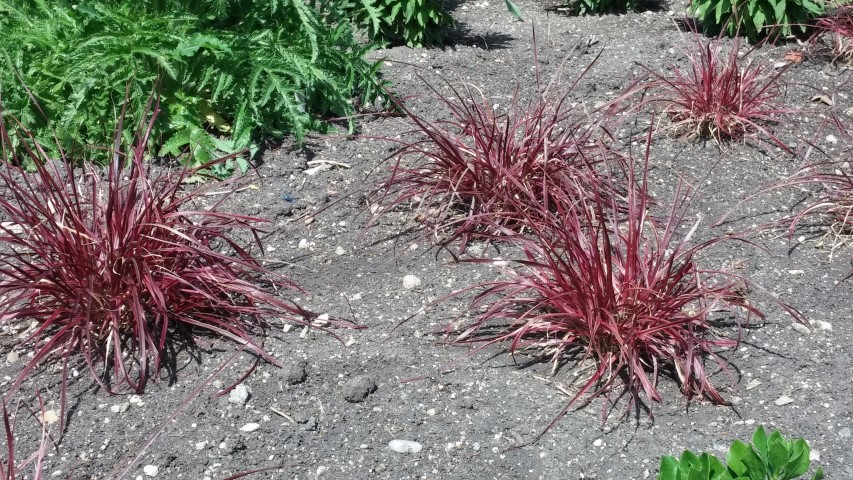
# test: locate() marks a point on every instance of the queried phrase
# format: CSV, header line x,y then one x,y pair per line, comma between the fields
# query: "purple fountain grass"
x,y
721,96
486,170
620,290
839,28
115,266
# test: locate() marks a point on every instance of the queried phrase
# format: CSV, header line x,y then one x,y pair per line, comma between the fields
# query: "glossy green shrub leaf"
x,y
768,458
692,467
756,19
513,9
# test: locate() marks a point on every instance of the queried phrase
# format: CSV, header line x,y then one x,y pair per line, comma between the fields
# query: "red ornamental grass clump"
x,y
720,96
839,28
834,177
490,165
116,265
619,290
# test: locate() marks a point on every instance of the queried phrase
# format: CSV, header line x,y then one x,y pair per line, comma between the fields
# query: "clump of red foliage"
x,y
488,167
839,28
721,96
617,289
834,177
117,265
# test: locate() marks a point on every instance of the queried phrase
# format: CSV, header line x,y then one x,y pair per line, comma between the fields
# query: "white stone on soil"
x,y
340,251
799,327
250,427
120,408
405,446
783,400
239,395
50,417
823,325
411,281
150,470
13,357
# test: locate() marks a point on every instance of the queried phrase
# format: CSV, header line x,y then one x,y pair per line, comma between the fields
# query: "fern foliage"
x,y
416,23
229,72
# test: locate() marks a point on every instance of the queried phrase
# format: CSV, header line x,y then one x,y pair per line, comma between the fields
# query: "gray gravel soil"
x,y
332,408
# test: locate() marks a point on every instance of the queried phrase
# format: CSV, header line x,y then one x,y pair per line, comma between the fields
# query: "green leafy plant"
x,y
599,7
230,72
767,458
416,23
756,19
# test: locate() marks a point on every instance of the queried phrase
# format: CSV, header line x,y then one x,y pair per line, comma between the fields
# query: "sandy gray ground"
x,y
468,419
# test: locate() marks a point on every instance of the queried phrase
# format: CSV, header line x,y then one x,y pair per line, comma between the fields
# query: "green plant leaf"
x,y
759,440
780,9
818,475
798,461
816,8
513,9
668,468
175,144
744,462
696,474
777,458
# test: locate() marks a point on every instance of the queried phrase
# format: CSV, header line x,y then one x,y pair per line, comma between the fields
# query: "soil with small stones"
x,y
332,408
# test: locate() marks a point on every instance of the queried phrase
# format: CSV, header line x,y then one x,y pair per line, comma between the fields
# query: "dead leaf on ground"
x,y
793,57
823,99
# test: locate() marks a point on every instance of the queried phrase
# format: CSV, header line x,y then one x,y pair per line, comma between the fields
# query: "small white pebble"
x,y
831,139
12,357
239,394
321,320
823,325
405,446
799,327
250,427
50,417
120,408
303,244
411,281
598,442
340,251
150,470
783,400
